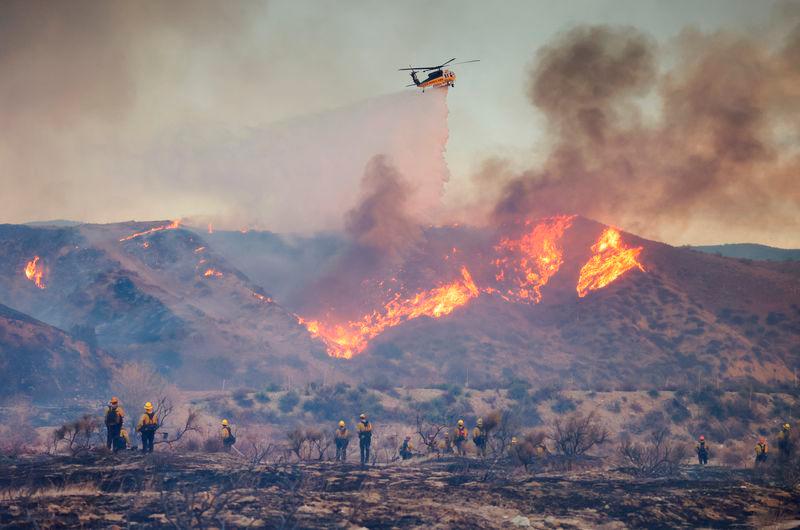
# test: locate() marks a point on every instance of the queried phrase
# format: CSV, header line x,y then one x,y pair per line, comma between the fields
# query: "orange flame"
x,y
171,226
210,229
199,249
529,262
212,273
265,299
611,260
344,341
35,272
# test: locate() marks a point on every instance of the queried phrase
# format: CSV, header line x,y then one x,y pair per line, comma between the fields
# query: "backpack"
x,y
112,416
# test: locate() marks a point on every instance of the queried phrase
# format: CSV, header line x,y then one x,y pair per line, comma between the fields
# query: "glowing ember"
x,y
35,272
174,224
199,249
611,260
528,263
261,297
212,273
346,340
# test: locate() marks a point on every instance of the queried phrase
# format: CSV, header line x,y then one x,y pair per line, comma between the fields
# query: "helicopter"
x,y
438,76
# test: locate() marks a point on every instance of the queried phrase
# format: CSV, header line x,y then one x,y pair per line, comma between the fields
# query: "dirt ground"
x,y
222,491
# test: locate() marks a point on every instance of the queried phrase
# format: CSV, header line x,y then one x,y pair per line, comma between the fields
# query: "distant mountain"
x,y
47,363
61,223
751,251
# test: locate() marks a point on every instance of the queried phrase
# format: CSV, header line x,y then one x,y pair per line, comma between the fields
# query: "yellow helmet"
x,y
224,423
148,407
787,426
513,440
480,422
341,423
460,423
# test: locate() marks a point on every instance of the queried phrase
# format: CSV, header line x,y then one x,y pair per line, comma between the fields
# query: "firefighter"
x,y
460,438
115,417
702,450
479,438
364,429
446,445
762,449
228,439
342,439
122,441
785,442
147,427
406,449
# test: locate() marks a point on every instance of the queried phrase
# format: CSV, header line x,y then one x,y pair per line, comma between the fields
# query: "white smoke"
x,y
302,175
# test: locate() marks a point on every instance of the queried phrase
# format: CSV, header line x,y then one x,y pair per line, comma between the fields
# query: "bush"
x,y
576,434
653,393
288,401
562,405
262,397
518,389
657,457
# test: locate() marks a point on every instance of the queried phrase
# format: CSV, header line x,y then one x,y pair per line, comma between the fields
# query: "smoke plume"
x,y
722,151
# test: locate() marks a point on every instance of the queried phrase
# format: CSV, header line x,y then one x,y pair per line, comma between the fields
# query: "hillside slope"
x,y
162,296
46,363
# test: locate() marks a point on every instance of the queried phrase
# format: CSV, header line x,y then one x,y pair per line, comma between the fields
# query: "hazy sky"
x,y
95,95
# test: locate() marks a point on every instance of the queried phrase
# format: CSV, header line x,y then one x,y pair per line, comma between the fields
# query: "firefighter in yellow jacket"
x,y
785,442
228,439
364,429
460,438
480,437
342,439
147,427
114,419
762,449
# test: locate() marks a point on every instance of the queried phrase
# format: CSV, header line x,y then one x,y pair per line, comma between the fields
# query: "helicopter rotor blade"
x,y
465,62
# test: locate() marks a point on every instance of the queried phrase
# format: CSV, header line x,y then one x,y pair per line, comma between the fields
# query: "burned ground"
x,y
212,490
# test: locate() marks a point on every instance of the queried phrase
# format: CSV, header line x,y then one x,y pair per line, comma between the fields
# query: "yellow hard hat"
x,y
114,400
341,423
460,423
224,423
148,406
513,440
787,426
480,422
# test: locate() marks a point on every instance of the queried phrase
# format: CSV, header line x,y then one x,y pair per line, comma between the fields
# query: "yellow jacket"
x,y
147,420
762,449
123,433
363,428
477,432
120,416
342,434
225,433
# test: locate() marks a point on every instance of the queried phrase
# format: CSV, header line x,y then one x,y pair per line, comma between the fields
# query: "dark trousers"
x,y
112,432
363,445
341,450
702,457
147,441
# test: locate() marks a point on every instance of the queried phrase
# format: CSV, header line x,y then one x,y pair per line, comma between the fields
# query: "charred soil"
x,y
219,490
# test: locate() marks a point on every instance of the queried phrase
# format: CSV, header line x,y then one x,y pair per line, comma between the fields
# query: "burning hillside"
x,y
524,264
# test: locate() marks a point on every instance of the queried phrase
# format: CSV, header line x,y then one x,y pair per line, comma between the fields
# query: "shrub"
x,y
577,434
262,397
653,393
562,405
288,401
518,389
657,457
